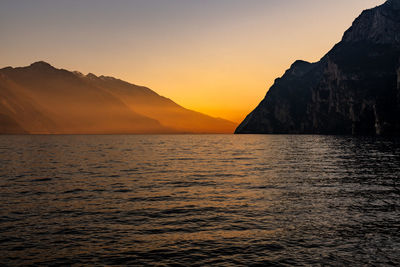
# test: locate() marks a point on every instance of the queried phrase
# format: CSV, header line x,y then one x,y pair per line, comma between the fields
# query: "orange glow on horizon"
x,y
221,66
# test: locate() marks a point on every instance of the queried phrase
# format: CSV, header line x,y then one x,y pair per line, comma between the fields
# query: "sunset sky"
x,y
214,56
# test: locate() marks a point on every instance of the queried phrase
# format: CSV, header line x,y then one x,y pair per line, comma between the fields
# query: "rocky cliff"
x,y
353,89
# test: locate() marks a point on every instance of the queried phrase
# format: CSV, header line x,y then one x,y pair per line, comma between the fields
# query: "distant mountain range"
x,y
354,89
42,99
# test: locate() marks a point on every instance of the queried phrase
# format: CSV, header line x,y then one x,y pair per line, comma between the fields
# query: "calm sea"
x,y
199,200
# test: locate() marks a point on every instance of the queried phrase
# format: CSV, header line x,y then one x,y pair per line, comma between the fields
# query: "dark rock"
x,y
354,89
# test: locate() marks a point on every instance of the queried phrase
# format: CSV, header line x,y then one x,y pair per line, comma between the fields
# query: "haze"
x,y
214,56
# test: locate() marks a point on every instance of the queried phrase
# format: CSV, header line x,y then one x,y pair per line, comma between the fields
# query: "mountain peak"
x,y
299,67
354,89
91,76
42,65
379,25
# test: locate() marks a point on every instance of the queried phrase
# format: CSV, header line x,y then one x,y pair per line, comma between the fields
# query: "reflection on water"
x,y
218,199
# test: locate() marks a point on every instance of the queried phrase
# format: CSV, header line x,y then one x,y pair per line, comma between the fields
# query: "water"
x,y
199,200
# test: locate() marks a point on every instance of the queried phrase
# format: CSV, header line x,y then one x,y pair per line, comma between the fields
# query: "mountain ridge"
x,y
40,98
351,90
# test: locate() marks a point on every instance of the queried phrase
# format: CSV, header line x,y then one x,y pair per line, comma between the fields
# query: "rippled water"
x,y
199,200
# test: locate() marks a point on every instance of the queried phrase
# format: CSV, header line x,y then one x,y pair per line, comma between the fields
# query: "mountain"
x,y
42,99
353,89
167,112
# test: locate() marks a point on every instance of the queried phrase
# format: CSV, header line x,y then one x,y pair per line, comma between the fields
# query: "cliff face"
x,y
398,85
354,89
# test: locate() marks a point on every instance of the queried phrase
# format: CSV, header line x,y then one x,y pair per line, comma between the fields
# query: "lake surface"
x,y
199,200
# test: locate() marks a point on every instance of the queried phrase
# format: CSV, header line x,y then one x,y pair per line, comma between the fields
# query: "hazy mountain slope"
x,y
19,112
42,99
145,101
9,126
72,104
354,89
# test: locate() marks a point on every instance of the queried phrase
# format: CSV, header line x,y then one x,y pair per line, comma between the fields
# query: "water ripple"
x,y
199,200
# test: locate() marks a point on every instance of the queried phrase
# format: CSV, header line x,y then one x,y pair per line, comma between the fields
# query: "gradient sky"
x,y
215,56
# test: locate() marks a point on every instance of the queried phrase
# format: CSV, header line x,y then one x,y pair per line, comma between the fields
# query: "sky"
x,y
218,57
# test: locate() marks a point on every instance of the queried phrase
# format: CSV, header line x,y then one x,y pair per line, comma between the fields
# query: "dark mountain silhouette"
x,y
42,99
354,89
